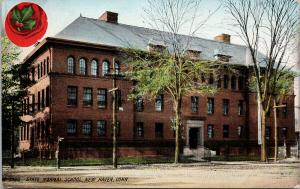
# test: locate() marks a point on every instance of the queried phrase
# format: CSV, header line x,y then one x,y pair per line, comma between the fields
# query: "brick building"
x,y
70,98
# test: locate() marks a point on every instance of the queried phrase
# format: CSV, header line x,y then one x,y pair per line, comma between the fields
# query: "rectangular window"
x,y
284,133
268,132
194,103
118,98
139,129
101,128
39,71
71,127
87,96
210,105
33,103
47,97
87,127
285,110
225,131
159,130
72,95
139,104
39,101
240,131
159,103
210,131
225,106
48,65
101,98
43,98
241,108
44,67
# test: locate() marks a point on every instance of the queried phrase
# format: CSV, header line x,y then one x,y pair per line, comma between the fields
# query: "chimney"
x,y
108,16
225,38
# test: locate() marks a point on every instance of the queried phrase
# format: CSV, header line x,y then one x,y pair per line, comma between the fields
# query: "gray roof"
x,y
126,36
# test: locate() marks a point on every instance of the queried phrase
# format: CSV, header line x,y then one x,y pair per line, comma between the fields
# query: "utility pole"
x,y
114,75
275,125
12,147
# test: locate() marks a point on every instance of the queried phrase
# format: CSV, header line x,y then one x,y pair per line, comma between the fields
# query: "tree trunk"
x,y
263,137
177,107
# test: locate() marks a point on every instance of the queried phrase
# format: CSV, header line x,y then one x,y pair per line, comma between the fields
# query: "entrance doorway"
x,y
193,137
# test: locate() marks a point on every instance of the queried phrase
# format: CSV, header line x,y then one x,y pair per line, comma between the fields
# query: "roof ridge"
x,y
141,27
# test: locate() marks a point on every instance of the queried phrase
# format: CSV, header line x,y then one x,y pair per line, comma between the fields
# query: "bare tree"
x,y
268,27
171,72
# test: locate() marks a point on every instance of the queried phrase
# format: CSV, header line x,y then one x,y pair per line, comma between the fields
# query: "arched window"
x,y
117,68
82,66
94,67
71,65
233,82
225,81
105,67
241,83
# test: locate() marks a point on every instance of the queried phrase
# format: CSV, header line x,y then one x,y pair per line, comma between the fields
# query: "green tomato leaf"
x,y
29,24
16,15
27,12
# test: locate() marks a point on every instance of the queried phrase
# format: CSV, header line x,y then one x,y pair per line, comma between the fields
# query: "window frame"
x,y
105,67
139,104
212,105
93,68
72,133
85,128
158,134
194,104
72,102
87,102
101,127
139,133
159,98
225,107
81,61
69,66
104,103
226,131
210,131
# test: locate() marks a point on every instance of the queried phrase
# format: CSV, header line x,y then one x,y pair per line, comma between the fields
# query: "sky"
x,y
62,12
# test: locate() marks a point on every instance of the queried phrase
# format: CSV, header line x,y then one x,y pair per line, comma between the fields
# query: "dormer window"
x,y
193,54
222,57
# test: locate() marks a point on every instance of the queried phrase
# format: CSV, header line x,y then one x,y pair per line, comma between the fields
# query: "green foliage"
x,y
157,73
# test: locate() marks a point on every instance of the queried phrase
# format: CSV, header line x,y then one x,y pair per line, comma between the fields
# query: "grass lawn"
x,y
95,162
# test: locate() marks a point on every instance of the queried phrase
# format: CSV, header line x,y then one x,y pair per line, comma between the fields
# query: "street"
x,y
204,174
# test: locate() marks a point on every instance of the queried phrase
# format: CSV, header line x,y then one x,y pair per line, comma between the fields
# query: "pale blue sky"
x,y
62,12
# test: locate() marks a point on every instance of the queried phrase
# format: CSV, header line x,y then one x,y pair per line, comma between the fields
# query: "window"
x,y
71,127
225,131
226,80
225,106
159,130
219,83
285,110
284,133
87,127
72,95
105,67
139,104
241,83
41,67
44,67
101,128
33,103
194,103
32,74
71,65
87,96
101,98
39,71
241,109
117,68
94,68
210,105
210,131
139,129
48,65
43,98
240,131
159,103
82,66
233,83
118,98
39,101
47,97
268,132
